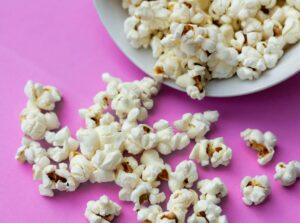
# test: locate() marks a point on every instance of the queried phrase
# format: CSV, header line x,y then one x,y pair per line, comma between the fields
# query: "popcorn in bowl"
x,y
195,42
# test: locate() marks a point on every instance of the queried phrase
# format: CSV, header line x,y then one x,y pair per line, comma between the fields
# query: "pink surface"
x,y
63,43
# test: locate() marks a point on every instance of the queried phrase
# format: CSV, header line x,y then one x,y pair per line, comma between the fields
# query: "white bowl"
x,y
113,16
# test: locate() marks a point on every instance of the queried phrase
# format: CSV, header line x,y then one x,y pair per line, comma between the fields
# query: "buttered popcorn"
x,y
212,151
103,210
197,41
287,173
255,190
263,143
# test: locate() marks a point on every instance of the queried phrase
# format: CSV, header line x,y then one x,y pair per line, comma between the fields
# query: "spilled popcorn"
x,y
115,145
255,190
194,42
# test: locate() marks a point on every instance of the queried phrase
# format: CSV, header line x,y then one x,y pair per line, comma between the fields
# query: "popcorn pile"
x,y
197,41
117,146
106,150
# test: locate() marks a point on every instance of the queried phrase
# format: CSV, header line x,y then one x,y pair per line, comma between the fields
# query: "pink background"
x,y
64,44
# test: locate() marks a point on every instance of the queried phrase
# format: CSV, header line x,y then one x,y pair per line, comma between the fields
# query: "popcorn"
x,y
196,125
194,82
34,123
88,141
288,173
105,162
167,141
128,176
189,12
33,153
212,151
102,211
92,115
218,8
149,214
80,167
290,31
243,9
184,176
223,62
43,97
140,138
180,200
198,41
255,190
212,190
155,169
168,66
294,3
131,95
30,151
207,211
145,193
54,178
170,217
263,143
63,144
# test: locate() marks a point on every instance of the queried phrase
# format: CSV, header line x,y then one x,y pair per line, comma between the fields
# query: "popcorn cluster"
x,y
114,127
116,146
197,41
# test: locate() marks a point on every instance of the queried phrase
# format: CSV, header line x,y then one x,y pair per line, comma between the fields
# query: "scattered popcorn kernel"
x,y
212,190
263,143
34,123
144,194
196,125
170,217
80,167
180,200
54,178
212,151
287,173
207,211
128,176
43,97
155,169
149,214
102,211
255,190
63,144
184,176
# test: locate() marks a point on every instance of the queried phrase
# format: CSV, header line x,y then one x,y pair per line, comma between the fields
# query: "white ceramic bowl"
x,y
113,16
